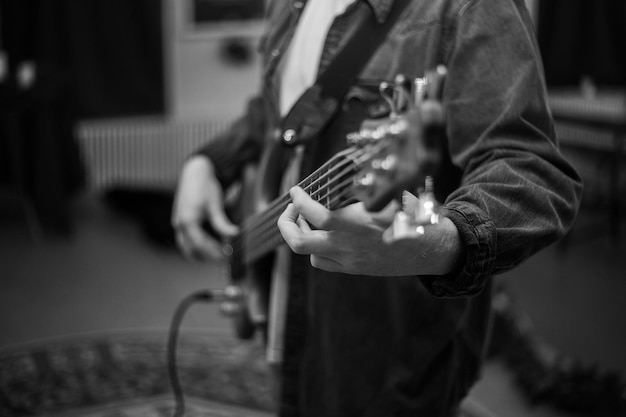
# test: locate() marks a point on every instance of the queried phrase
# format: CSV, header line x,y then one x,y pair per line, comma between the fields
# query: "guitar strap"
x,y
317,106
308,117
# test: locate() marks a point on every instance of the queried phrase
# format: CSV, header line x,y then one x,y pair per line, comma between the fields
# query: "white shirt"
x,y
302,58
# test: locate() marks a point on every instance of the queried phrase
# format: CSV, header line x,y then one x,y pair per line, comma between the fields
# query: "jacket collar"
x,y
381,8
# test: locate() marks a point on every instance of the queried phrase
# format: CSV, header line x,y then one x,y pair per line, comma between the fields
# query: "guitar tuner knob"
x,y
403,226
404,82
366,136
365,183
398,127
416,215
386,165
354,138
420,83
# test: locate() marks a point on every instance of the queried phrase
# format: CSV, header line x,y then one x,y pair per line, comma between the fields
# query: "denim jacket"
x,y
505,185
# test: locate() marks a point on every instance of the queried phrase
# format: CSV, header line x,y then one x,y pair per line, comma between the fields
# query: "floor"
x,y
107,276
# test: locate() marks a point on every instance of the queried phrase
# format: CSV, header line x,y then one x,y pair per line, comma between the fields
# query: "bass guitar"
x,y
386,157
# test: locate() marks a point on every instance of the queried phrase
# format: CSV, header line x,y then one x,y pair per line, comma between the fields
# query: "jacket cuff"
x,y
478,235
218,153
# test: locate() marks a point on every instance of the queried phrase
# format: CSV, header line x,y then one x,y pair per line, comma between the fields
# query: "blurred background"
x,y
101,101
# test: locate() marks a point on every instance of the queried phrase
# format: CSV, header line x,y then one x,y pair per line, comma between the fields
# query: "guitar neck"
x,y
330,185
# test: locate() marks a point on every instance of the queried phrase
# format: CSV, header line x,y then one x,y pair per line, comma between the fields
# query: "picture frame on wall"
x,y
222,18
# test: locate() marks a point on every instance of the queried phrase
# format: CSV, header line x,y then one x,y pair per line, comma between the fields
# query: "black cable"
x,y
179,313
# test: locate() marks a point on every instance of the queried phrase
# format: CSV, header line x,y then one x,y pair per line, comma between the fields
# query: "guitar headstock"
x,y
407,145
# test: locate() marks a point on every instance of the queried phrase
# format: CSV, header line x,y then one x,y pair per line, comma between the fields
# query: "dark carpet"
x,y
126,375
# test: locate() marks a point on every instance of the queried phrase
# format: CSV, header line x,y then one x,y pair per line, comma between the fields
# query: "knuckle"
x,y
298,246
326,220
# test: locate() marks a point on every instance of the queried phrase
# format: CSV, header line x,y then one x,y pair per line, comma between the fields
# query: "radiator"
x,y
140,153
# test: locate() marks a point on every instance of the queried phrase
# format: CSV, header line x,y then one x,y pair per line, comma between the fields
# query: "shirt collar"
x,y
381,8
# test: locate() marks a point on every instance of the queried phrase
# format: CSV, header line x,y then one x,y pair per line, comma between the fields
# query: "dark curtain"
x,y
220,10
117,58
86,59
39,155
581,38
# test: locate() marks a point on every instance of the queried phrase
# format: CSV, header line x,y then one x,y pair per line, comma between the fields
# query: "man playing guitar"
x,y
379,323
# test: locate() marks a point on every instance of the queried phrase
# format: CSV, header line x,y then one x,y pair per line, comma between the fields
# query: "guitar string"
x,y
261,234
269,228
253,221
273,210
271,237
308,183
264,224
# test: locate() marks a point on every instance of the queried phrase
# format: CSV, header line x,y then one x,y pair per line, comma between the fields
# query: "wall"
x,y
204,94
200,84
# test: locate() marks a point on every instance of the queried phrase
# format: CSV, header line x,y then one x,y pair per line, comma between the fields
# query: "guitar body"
x,y
260,281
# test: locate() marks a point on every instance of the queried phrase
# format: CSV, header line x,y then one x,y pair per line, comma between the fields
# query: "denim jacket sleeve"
x,y
517,194
239,145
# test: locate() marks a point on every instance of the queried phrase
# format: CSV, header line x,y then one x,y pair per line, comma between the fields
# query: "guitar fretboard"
x,y
330,185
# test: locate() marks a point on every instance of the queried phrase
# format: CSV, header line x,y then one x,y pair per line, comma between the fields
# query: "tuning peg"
x,y
388,91
403,93
402,81
354,138
419,88
373,130
416,215
385,166
366,136
364,184
434,81
363,137
404,227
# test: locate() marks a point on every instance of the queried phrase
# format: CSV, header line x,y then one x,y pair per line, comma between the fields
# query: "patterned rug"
x,y
126,375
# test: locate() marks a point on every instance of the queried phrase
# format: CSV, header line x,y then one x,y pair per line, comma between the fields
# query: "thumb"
x,y
220,221
224,226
